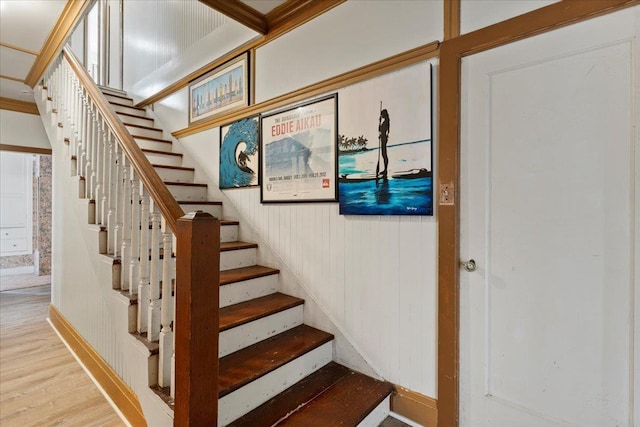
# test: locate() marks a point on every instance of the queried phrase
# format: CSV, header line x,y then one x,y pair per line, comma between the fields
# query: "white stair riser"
x,y
128,110
151,133
252,395
238,258
377,416
148,144
164,159
181,192
176,175
228,233
250,333
235,293
137,120
117,99
213,210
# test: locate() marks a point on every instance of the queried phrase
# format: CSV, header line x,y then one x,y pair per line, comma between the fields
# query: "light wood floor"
x,y
41,384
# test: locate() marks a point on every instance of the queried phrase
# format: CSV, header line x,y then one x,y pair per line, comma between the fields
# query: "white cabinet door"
x,y
16,201
550,179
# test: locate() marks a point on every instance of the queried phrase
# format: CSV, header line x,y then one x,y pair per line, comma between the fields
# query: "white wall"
x,y
476,14
158,33
22,129
375,277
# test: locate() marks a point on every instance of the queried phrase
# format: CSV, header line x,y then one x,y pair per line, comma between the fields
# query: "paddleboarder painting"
x,y
239,154
384,145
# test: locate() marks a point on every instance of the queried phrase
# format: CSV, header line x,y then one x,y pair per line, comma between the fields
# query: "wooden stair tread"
x,y
185,184
245,273
142,127
277,408
134,116
257,360
195,202
128,106
182,168
234,246
257,308
168,153
150,138
152,346
229,222
345,403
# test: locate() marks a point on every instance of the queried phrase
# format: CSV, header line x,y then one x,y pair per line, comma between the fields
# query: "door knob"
x,y
469,266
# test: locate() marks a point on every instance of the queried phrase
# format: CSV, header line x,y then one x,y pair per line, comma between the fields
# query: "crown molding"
x,y
18,106
70,15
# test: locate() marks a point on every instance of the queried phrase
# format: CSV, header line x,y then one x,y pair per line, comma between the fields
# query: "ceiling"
x,y
24,27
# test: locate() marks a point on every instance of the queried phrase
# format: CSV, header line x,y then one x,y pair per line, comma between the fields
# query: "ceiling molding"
x,y
18,106
240,12
285,11
28,150
294,13
15,79
302,15
20,49
70,14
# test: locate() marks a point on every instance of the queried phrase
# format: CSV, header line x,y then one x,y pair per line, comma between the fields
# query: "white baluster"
x,y
97,170
111,195
153,321
134,268
166,334
143,284
126,231
118,202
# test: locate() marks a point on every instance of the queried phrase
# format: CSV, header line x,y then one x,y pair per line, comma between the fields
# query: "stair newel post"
x,y
127,212
153,320
166,312
143,243
196,350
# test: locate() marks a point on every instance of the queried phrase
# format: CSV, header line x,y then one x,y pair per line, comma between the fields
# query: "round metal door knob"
x,y
469,266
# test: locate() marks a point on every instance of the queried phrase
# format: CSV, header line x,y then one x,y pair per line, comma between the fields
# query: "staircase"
x,y
273,369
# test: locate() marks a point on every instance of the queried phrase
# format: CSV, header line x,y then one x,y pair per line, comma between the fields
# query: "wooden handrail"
x,y
158,191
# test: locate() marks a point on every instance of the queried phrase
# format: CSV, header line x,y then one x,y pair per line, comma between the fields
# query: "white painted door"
x,y
550,208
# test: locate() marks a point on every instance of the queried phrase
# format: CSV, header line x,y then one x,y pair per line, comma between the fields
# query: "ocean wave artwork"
x,y
239,150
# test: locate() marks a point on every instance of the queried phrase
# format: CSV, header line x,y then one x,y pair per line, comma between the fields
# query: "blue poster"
x,y
239,154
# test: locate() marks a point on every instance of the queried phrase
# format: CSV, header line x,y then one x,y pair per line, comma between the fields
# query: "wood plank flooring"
x,y
41,384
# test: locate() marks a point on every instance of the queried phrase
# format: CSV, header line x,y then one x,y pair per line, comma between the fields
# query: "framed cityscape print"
x,y
298,153
221,90
239,153
385,145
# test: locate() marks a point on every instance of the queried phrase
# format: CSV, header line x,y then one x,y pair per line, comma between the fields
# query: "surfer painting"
x,y
239,154
380,173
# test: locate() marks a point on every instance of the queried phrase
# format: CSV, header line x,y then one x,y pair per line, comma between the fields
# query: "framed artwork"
x,y
221,90
298,159
239,154
385,145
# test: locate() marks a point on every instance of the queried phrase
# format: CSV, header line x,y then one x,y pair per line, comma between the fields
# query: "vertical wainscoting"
x,y
157,32
374,276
